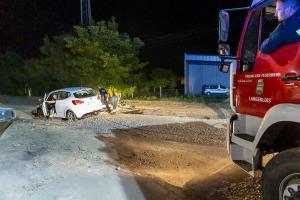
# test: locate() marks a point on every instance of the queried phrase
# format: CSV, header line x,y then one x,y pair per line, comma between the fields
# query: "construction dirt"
x,y
180,161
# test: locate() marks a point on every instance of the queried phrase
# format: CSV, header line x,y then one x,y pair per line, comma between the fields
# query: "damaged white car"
x,y
70,103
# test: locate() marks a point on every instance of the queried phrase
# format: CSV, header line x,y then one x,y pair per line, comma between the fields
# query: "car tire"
x,y
227,93
71,117
208,94
281,176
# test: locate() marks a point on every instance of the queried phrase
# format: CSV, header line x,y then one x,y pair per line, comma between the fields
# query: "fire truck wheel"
x,y
281,177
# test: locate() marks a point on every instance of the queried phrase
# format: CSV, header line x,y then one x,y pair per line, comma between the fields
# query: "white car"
x,y
215,90
72,103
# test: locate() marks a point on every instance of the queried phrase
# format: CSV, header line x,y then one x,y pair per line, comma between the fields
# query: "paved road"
x,y
40,161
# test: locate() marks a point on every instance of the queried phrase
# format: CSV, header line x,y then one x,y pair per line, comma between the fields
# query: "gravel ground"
x,y
247,189
41,157
104,123
182,109
191,132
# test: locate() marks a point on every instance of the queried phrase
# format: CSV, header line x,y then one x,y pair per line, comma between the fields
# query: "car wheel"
x,y
281,177
208,94
71,117
227,93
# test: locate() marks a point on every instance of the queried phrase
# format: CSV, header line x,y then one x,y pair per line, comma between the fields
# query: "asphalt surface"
x,y
41,161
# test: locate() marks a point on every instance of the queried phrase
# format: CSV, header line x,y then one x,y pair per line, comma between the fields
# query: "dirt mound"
x,y
193,132
179,161
167,165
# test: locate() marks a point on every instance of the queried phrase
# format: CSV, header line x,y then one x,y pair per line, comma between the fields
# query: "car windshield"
x,y
85,93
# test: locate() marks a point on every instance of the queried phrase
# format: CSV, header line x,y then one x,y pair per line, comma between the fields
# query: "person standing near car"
x,y
103,94
114,100
51,105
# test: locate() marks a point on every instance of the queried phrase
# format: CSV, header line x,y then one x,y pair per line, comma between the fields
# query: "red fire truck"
x,y
265,97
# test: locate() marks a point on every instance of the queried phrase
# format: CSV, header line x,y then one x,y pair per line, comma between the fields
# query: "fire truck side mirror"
x,y
224,50
224,67
223,26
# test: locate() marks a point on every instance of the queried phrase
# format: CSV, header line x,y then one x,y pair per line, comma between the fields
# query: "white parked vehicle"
x,y
215,90
71,103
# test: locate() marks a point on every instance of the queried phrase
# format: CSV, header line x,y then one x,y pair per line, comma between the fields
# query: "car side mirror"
x,y
223,26
224,50
224,67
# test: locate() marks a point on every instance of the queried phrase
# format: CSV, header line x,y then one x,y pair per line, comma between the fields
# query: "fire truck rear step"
x,y
244,165
244,136
245,158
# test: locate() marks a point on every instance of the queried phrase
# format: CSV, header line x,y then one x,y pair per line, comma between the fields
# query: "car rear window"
x,y
85,94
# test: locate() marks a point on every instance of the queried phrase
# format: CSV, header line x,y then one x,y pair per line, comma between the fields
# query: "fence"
x,y
159,93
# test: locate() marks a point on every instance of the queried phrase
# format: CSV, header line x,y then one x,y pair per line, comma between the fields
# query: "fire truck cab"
x,y
265,97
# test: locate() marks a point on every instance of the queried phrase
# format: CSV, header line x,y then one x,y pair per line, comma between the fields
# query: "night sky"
x,y
169,28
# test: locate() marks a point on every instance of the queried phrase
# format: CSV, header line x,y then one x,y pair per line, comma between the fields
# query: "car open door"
x,y
44,106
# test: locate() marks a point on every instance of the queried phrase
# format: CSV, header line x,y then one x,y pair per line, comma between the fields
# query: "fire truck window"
x,y
270,22
250,43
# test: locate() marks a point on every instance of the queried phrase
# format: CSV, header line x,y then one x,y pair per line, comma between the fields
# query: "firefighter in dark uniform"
x,y
288,30
103,94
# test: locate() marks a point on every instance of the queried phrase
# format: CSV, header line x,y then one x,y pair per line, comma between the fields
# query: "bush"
x,y
92,56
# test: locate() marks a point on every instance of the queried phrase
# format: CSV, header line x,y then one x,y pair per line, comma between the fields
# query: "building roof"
x,y
197,57
203,58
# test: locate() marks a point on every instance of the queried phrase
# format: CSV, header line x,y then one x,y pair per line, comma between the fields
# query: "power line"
x,y
180,37
175,39
173,34
185,34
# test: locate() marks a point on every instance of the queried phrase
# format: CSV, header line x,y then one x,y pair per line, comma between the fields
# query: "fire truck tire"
x,y
281,176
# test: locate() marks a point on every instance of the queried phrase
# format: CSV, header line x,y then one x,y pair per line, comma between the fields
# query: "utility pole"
x,y
86,15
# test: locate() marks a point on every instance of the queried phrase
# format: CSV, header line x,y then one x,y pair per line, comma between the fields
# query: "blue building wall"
x,y
202,70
